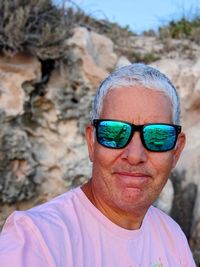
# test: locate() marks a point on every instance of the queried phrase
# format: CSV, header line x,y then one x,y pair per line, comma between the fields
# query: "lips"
x,y
132,179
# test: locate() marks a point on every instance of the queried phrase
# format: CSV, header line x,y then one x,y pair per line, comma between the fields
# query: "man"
x,y
134,140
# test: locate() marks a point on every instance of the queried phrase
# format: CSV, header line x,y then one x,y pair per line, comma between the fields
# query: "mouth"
x,y
133,179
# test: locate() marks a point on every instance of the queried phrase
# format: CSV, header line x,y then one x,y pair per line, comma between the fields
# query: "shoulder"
x,y
166,227
62,205
50,214
41,227
160,216
164,222
43,230
170,234
56,204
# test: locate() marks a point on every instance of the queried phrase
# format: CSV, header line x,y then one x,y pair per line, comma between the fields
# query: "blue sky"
x,y
140,15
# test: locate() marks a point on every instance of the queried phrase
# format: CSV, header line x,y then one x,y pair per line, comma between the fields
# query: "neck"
x,y
128,220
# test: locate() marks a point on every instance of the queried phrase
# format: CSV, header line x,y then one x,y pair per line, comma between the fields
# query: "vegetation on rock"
x,y
182,28
37,27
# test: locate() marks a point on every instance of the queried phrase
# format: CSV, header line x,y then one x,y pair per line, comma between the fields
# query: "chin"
x,y
131,202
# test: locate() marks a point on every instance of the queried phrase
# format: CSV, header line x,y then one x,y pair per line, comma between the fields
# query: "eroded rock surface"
x,y
42,145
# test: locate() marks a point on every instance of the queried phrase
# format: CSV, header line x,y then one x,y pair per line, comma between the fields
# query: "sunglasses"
x,y
157,137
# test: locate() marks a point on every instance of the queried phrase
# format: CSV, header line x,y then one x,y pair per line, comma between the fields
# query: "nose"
x,y
135,152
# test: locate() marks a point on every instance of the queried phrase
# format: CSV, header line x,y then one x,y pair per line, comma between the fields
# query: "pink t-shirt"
x,y
69,231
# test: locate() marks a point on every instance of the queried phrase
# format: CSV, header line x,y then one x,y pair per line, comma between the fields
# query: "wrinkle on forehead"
x,y
137,105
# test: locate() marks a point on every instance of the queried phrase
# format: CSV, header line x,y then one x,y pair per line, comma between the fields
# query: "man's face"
x,y
131,178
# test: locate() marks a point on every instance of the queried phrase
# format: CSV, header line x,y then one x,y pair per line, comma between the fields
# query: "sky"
x,y
140,15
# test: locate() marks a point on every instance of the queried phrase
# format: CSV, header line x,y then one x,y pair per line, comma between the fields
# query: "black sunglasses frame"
x,y
136,128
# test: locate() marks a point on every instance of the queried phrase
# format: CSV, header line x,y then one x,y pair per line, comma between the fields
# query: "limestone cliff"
x,y
44,107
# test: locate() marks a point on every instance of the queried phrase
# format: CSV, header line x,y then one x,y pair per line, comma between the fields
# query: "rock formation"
x,y
43,151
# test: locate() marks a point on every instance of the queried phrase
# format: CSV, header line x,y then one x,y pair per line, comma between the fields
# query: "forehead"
x,y
138,105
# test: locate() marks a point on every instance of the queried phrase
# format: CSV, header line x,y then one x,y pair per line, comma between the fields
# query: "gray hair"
x,y
141,75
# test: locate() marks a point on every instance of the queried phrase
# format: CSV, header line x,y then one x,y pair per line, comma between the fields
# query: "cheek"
x,y
162,164
104,158
102,170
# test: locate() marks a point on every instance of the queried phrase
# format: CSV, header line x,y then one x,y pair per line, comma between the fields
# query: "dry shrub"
x,y
121,36
41,28
34,26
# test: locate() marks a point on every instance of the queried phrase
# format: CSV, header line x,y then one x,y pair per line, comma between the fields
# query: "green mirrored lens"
x,y
159,137
113,134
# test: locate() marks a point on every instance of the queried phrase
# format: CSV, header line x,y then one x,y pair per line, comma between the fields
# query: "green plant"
x,y
183,28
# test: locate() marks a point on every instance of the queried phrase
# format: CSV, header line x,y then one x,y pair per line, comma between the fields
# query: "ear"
x,y
179,148
89,133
